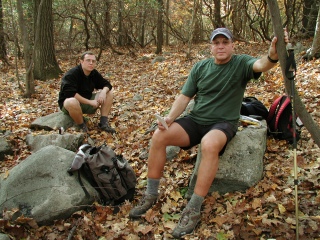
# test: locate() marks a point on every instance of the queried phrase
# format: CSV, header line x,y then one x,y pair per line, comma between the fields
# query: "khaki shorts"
x,y
86,108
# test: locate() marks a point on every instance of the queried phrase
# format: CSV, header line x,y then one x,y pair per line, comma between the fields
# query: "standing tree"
x,y
142,22
45,63
107,24
214,13
3,50
160,26
167,26
196,6
27,51
315,48
197,27
121,33
310,9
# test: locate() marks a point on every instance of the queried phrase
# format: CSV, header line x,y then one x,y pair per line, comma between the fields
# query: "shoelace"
x,y
185,217
143,201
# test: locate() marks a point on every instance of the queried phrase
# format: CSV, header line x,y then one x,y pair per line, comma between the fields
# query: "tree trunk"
x,y
160,26
142,23
167,25
45,63
236,18
315,49
191,27
85,24
217,14
3,50
105,39
27,52
299,107
310,8
121,34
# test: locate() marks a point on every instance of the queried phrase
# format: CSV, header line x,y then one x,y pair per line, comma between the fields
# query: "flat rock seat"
x,y
241,165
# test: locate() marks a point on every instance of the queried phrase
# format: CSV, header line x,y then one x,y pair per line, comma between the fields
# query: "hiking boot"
x,y
83,128
106,127
187,223
143,206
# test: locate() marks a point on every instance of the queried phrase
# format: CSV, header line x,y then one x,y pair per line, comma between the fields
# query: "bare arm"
x,y
83,100
178,107
263,64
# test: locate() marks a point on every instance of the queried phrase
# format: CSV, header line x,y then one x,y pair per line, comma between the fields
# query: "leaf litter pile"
x,y
143,88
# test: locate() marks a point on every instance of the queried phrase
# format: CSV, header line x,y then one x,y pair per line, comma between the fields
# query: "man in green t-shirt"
x,y
217,85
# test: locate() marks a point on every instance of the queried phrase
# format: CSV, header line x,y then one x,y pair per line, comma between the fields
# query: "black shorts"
x,y
197,131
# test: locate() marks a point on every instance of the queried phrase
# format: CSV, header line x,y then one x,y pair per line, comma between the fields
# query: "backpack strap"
x,y
291,66
273,108
282,107
82,185
249,99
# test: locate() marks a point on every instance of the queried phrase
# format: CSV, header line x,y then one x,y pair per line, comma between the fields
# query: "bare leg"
x,y
72,105
212,143
106,106
174,136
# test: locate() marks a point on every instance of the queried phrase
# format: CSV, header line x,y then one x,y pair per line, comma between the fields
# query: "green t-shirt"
x,y
219,89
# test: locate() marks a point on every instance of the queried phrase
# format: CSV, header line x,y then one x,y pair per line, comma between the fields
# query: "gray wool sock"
x,y
195,202
103,120
152,186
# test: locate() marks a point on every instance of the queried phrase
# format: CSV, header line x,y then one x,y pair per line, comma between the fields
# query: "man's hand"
x,y
100,99
273,50
102,95
94,103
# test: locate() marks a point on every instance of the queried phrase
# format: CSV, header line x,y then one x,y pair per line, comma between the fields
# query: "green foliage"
x,y
183,191
168,217
222,236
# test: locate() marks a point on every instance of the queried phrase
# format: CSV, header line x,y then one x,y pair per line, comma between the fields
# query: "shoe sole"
x,y
178,237
135,216
107,130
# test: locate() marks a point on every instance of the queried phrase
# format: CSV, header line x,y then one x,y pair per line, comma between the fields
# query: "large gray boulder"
x,y
68,141
241,165
4,236
53,121
5,148
41,188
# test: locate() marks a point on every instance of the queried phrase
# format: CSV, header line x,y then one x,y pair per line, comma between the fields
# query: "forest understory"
x,y
264,211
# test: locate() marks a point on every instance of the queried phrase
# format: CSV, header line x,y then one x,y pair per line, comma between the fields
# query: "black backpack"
x,y
253,107
280,120
110,174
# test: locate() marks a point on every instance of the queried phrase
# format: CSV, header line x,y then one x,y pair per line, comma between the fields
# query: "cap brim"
x,y
224,34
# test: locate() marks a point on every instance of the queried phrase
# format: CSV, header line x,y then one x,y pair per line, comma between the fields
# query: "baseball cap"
x,y
221,31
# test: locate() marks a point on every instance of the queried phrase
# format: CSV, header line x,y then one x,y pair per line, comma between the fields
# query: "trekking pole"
x,y
290,73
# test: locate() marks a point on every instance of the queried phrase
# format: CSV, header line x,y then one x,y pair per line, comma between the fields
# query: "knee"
x,y
71,103
210,147
158,138
110,94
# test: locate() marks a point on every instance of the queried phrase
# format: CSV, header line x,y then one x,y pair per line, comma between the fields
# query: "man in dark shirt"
x,y
77,93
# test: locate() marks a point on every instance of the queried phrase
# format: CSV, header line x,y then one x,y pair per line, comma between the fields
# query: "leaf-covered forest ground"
x,y
264,211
